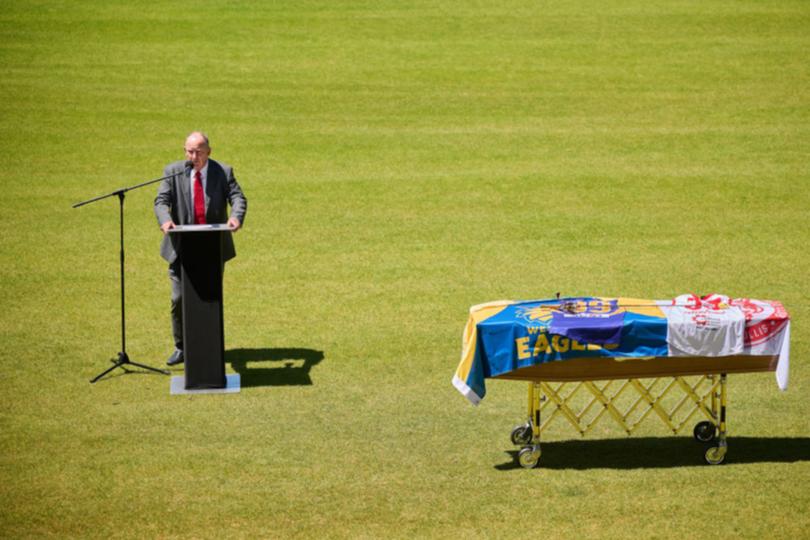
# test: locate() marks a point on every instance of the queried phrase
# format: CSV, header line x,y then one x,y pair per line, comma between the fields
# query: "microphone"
x,y
186,166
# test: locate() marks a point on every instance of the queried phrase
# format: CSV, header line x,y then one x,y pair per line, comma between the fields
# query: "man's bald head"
x,y
197,149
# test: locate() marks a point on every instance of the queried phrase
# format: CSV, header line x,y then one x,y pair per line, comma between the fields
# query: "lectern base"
x,y
232,386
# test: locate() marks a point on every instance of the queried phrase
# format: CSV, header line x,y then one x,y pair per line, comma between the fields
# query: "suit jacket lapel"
x,y
186,213
211,185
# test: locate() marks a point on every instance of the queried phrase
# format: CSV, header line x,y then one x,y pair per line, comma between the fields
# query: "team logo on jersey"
x,y
763,319
540,315
706,312
583,308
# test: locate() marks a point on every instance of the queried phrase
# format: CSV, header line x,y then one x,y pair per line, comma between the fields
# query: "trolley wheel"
x,y
522,435
705,431
529,456
716,455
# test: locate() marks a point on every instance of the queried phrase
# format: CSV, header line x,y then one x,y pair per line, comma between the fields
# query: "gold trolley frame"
x,y
658,386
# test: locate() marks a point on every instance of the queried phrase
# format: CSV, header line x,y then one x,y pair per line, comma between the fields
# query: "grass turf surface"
x,y
401,162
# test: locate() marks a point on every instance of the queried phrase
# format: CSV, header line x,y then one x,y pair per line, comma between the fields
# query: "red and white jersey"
x,y
765,324
705,326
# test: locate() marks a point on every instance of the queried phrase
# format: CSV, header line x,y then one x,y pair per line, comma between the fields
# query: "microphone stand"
x,y
123,358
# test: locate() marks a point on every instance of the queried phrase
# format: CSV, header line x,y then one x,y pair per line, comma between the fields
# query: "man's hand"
x,y
165,226
234,224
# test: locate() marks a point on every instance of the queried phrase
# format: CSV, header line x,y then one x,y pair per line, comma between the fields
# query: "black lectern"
x,y
200,249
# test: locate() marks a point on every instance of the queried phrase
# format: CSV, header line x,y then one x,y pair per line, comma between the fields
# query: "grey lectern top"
x,y
200,228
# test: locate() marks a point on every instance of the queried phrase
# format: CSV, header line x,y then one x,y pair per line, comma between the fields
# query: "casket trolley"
x,y
682,390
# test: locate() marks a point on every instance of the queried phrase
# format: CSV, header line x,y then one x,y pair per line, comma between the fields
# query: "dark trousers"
x,y
175,274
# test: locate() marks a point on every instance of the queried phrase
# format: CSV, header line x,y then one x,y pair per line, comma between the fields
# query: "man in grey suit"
x,y
198,191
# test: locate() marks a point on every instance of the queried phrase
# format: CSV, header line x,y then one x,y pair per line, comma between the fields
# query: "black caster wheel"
x,y
522,435
705,431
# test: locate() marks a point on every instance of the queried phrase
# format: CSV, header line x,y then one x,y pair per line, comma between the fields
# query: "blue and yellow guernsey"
x,y
507,335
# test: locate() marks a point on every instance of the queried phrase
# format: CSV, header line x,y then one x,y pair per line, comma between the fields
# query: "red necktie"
x,y
199,199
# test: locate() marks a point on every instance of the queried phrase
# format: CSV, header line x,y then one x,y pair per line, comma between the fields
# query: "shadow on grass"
x,y
661,452
290,366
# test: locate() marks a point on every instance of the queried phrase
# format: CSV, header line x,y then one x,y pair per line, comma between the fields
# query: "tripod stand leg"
x,y
156,370
118,363
123,360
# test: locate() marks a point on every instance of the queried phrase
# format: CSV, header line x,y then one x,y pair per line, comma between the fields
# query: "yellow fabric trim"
x,y
478,313
641,306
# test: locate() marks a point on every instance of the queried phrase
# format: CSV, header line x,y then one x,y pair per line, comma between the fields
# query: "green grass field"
x,y
403,161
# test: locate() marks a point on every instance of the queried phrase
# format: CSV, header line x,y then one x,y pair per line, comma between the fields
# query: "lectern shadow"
x,y
279,367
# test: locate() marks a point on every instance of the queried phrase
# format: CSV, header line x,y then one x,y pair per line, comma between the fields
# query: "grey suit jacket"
x,y
173,202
